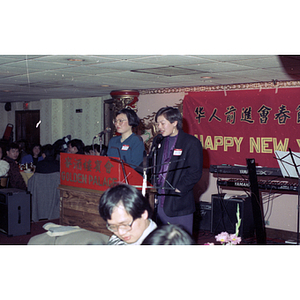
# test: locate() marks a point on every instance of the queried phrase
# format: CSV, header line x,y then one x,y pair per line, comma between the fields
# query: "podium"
x,y
83,179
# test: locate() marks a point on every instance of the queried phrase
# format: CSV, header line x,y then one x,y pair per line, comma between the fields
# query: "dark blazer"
x,y
47,165
185,171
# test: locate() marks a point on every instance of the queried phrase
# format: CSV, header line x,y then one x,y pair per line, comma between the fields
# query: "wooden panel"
x,y
84,220
79,207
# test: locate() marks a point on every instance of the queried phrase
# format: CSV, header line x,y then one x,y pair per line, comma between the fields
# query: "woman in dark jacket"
x,y
178,160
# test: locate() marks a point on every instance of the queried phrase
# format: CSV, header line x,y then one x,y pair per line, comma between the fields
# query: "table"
x,y
26,176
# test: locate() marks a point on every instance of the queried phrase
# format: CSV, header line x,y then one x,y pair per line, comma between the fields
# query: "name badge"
x,y
125,147
177,152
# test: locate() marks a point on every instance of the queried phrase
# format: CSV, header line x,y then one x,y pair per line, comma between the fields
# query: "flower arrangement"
x,y
230,239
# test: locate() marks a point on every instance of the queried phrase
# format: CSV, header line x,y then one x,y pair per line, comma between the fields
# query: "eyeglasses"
x,y
119,121
123,227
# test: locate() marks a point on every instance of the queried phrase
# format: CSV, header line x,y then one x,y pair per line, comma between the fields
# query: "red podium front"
x,y
83,179
96,172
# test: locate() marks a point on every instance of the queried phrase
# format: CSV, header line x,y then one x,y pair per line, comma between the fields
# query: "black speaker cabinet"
x,y
202,216
205,215
224,215
15,212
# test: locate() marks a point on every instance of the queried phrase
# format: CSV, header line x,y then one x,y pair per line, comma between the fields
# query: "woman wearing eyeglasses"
x,y
127,146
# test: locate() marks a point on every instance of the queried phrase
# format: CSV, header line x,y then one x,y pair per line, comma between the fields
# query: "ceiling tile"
x,y
35,77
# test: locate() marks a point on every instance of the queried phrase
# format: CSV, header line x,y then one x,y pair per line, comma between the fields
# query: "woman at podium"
x,y
178,159
127,146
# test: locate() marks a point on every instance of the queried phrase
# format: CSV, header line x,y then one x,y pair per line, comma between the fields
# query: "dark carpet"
x,y
201,236
205,236
35,228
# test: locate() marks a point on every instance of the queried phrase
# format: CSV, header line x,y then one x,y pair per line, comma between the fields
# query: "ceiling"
x,y
35,77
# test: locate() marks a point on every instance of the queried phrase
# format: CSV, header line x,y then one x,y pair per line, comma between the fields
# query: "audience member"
x,y
34,156
61,146
101,152
2,150
4,165
23,149
127,214
95,150
169,234
76,146
49,164
15,178
88,150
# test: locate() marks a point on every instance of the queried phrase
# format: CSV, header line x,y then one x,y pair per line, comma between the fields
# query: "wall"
x,y
59,118
151,103
66,121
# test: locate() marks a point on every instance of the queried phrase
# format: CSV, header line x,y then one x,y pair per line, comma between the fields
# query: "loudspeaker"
x,y
7,106
224,215
202,216
15,211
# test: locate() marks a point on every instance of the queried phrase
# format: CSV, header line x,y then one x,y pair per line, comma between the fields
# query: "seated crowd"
x,y
15,156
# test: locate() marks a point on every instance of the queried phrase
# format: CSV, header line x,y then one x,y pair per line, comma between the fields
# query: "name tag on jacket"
x,y
177,152
125,147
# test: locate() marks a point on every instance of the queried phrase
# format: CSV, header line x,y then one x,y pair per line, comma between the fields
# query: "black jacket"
x,y
48,165
185,171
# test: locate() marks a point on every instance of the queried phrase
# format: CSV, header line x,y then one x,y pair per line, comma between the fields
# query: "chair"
x,y
4,168
4,181
45,196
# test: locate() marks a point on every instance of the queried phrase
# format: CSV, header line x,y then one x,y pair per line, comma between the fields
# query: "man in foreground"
x,y
127,214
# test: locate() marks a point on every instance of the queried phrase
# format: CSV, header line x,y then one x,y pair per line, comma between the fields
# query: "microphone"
x,y
158,140
107,129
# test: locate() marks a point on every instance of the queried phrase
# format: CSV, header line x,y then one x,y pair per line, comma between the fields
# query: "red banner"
x,y
95,172
235,125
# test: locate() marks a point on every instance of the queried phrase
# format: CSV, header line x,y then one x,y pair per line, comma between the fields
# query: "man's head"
x,y
169,234
12,151
126,212
76,146
48,151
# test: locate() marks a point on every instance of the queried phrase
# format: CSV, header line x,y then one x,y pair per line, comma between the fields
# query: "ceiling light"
x,y
167,71
75,59
206,77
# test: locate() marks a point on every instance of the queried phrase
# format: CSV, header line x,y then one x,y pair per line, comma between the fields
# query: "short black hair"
x,y
172,114
132,199
133,119
48,150
169,234
87,148
78,144
12,146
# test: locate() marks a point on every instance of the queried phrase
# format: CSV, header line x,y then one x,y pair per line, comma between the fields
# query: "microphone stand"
x,y
100,139
144,171
100,143
93,146
122,164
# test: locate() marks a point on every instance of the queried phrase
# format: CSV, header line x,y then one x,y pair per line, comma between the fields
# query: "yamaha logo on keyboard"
x,y
243,171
